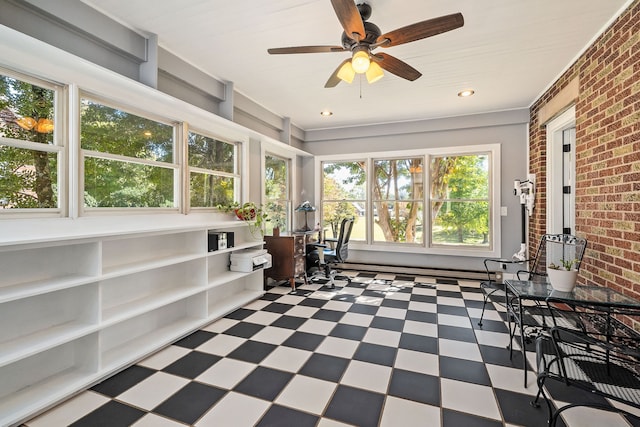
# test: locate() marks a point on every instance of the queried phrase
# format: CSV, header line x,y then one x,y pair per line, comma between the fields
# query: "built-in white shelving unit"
x,y
80,304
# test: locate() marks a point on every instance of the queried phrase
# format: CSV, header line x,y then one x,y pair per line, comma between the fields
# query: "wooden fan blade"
x,y
334,79
421,30
349,18
305,49
396,66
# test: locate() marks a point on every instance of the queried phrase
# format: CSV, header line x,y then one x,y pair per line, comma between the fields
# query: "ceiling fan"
x,y
362,37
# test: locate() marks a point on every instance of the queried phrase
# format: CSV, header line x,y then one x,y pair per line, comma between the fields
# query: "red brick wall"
x,y
607,155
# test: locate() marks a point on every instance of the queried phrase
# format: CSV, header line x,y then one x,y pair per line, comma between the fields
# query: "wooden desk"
x,y
288,253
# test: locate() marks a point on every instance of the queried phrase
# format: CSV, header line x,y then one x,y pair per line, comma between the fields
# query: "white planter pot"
x,y
562,280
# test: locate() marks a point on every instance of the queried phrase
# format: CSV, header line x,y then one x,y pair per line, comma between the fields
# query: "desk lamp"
x,y
306,208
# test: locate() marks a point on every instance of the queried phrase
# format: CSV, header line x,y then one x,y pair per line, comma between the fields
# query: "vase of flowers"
x,y
563,277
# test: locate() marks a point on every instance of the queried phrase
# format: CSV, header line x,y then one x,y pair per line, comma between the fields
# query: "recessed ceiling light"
x,y
326,113
465,93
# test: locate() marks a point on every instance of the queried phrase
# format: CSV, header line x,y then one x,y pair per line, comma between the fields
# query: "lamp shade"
x,y
360,61
346,72
305,207
374,73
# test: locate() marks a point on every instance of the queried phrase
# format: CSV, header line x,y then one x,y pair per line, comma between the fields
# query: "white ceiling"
x,y
508,51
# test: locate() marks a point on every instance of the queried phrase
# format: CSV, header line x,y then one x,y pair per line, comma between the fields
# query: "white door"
x,y
561,173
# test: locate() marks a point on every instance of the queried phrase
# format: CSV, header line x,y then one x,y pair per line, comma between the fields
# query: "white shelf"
x,y
76,308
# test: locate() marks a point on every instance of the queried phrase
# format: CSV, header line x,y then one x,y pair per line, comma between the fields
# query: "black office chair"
x,y
552,247
324,255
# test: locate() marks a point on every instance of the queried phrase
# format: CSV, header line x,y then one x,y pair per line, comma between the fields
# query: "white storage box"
x,y
248,260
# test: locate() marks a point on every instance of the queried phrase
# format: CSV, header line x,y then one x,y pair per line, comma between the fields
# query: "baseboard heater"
x,y
415,271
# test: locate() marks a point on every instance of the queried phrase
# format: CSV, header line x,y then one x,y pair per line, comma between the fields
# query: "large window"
x,y
344,195
31,151
214,172
436,199
277,192
129,160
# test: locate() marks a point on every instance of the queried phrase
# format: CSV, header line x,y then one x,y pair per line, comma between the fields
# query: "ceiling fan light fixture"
x,y
346,72
466,93
360,60
374,73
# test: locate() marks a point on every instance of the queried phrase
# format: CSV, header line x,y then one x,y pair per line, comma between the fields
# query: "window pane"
x,y
112,183
26,111
460,200
398,222
109,130
395,179
210,190
276,178
461,223
28,178
344,195
211,154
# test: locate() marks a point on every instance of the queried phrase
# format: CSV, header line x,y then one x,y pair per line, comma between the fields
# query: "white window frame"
x,y
175,165
493,150
60,131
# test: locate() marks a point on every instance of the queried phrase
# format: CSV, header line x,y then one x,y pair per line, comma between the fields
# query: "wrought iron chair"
x,y
326,254
552,247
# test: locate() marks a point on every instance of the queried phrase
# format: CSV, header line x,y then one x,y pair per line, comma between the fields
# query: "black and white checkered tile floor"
x,y
385,350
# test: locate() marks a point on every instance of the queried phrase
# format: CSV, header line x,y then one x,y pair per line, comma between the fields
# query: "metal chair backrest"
x,y
556,247
342,246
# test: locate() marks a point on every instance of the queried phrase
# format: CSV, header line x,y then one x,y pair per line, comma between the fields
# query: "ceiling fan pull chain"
x,y
360,86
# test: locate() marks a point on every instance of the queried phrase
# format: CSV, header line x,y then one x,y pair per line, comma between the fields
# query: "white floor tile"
x,y
488,314
416,361
453,320
263,317
393,313
456,302
307,394
368,300
70,411
470,398
326,422
338,347
272,335
226,373
258,304
337,306
450,288
425,307
459,349
420,328
316,326
507,378
286,359
429,280
235,409
221,345
398,296
367,376
290,299
357,319
589,417
302,311
221,325
405,413
152,391
165,357
469,283
382,337
153,420
473,296
494,339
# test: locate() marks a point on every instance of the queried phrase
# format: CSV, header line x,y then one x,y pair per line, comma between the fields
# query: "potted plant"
x,y
253,214
563,277
277,217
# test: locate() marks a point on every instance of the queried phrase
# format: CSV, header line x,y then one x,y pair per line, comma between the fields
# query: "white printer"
x,y
248,260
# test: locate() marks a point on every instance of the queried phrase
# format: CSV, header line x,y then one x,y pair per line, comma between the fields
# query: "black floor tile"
x,y
252,351
123,381
374,353
264,383
456,333
345,298
240,314
329,315
415,386
276,307
196,339
490,325
464,370
111,414
387,323
421,316
349,332
280,416
313,302
516,409
355,406
363,309
304,341
270,296
244,330
452,418
454,310
450,294
395,303
325,367
192,364
500,356
190,402
419,343
444,281
405,278
289,322
431,299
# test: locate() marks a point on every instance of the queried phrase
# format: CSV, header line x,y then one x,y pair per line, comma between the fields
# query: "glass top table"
x,y
524,296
